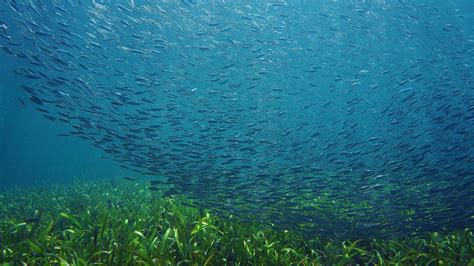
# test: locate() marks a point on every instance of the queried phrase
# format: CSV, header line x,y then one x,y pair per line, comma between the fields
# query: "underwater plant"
x,y
121,224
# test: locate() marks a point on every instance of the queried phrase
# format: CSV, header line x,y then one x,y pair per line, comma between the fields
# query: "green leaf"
x,y
209,258
35,247
140,234
164,241
71,219
43,233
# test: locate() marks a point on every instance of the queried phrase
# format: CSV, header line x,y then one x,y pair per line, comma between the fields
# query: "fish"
x,y
157,182
22,102
32,220
36,100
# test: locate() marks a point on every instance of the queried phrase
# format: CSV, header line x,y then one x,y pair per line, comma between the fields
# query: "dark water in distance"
x,y
334,117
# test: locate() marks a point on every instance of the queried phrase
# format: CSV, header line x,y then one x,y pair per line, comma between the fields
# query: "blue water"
x,y
369,103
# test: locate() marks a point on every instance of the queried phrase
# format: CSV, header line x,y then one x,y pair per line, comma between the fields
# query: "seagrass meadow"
x,y
123,223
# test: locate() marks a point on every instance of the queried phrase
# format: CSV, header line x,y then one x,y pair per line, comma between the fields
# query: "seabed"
x,y
123,223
